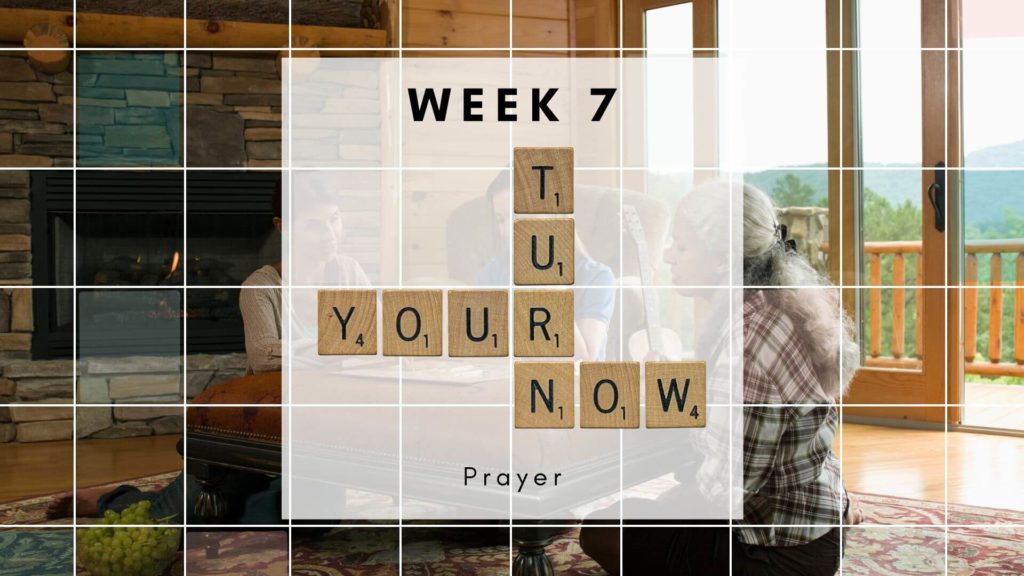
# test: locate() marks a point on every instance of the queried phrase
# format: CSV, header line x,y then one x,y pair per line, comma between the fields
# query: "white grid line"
x,y
448,287
487,405
400,51
455,49
732,312
740,168
184,267
401,278
841,312
286,165
622,185
945,294
74,296
509,317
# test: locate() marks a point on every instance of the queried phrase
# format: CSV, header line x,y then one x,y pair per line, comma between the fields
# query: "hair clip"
x,y
782,233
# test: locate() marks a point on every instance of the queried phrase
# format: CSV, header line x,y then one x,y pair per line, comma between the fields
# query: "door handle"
x,y
937,196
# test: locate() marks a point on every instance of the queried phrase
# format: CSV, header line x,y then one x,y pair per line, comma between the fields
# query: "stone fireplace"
x,y
129,329
133,259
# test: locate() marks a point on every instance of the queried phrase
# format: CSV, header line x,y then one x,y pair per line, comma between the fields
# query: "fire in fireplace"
x,y
135,257
130,228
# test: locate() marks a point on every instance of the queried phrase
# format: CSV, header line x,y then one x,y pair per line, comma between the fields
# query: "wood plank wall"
x,y
430,24
485,23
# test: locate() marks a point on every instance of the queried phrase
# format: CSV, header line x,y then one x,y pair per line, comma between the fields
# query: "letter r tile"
x,y
543,323
346,322
412,322
545,395
676,394
543,180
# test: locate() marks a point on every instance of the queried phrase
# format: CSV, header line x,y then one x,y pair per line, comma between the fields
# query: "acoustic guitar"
x,y
652,337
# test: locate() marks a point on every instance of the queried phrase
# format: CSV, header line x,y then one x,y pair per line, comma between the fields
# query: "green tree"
x,y
883,221
789,190
1011,226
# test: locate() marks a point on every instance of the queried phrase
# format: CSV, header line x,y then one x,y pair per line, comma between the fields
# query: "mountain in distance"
x,y
987,196
999,156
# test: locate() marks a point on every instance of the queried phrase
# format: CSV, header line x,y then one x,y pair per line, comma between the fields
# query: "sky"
x,y
774,51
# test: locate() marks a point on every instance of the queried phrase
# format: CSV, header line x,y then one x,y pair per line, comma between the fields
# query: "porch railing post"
x,y
995,309
971,309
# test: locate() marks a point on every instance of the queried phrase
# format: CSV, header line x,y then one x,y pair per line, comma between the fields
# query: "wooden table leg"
x,y
532,559
211,504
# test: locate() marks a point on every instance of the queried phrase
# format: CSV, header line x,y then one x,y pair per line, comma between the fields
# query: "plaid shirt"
x,y
792,490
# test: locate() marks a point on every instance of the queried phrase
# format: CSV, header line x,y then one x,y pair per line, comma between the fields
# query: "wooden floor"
x,y
984,469
1004,405
35,469
105,461
40,468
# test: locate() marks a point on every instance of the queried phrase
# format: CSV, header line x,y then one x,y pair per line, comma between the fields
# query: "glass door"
x,y
894,216
991,245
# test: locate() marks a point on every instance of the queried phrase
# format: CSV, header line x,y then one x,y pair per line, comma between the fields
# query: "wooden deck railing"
x,y
994,364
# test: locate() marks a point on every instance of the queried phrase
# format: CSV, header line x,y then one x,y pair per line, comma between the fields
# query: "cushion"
x,y
253,422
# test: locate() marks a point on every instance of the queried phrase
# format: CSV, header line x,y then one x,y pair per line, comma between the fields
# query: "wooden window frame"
x,y
705,22
937,382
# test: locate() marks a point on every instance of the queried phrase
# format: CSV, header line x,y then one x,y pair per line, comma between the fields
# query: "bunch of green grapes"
x,y
116,550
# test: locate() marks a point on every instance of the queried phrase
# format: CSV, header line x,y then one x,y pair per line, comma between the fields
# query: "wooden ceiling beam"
x,y
117,31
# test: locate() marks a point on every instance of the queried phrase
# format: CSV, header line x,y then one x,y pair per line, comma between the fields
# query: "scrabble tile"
x,y
676,394
412,323
477,323
346,322
543,180
544,250
544,395
543,323
609,394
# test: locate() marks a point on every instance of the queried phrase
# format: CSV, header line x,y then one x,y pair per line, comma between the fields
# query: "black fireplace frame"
x,y
51,192
246,192
238,192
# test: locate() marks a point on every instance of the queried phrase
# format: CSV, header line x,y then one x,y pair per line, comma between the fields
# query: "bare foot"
x,y
87,499
854,515
60,509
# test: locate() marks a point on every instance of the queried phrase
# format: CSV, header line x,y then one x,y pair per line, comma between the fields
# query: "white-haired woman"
x,y
798,358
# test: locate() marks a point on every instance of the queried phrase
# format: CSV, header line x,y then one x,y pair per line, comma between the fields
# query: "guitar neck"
x,y
636,230
650,296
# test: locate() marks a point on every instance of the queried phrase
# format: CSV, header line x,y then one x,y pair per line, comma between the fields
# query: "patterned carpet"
x,y
427,552
878,548
40,552
33,510
890,543
263,553
901,537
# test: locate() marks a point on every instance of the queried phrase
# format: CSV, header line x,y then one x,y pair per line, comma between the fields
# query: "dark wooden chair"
x,y
223,440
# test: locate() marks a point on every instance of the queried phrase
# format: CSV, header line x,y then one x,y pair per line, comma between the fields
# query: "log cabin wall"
x,y
597,23
484,23
541,24
543,28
